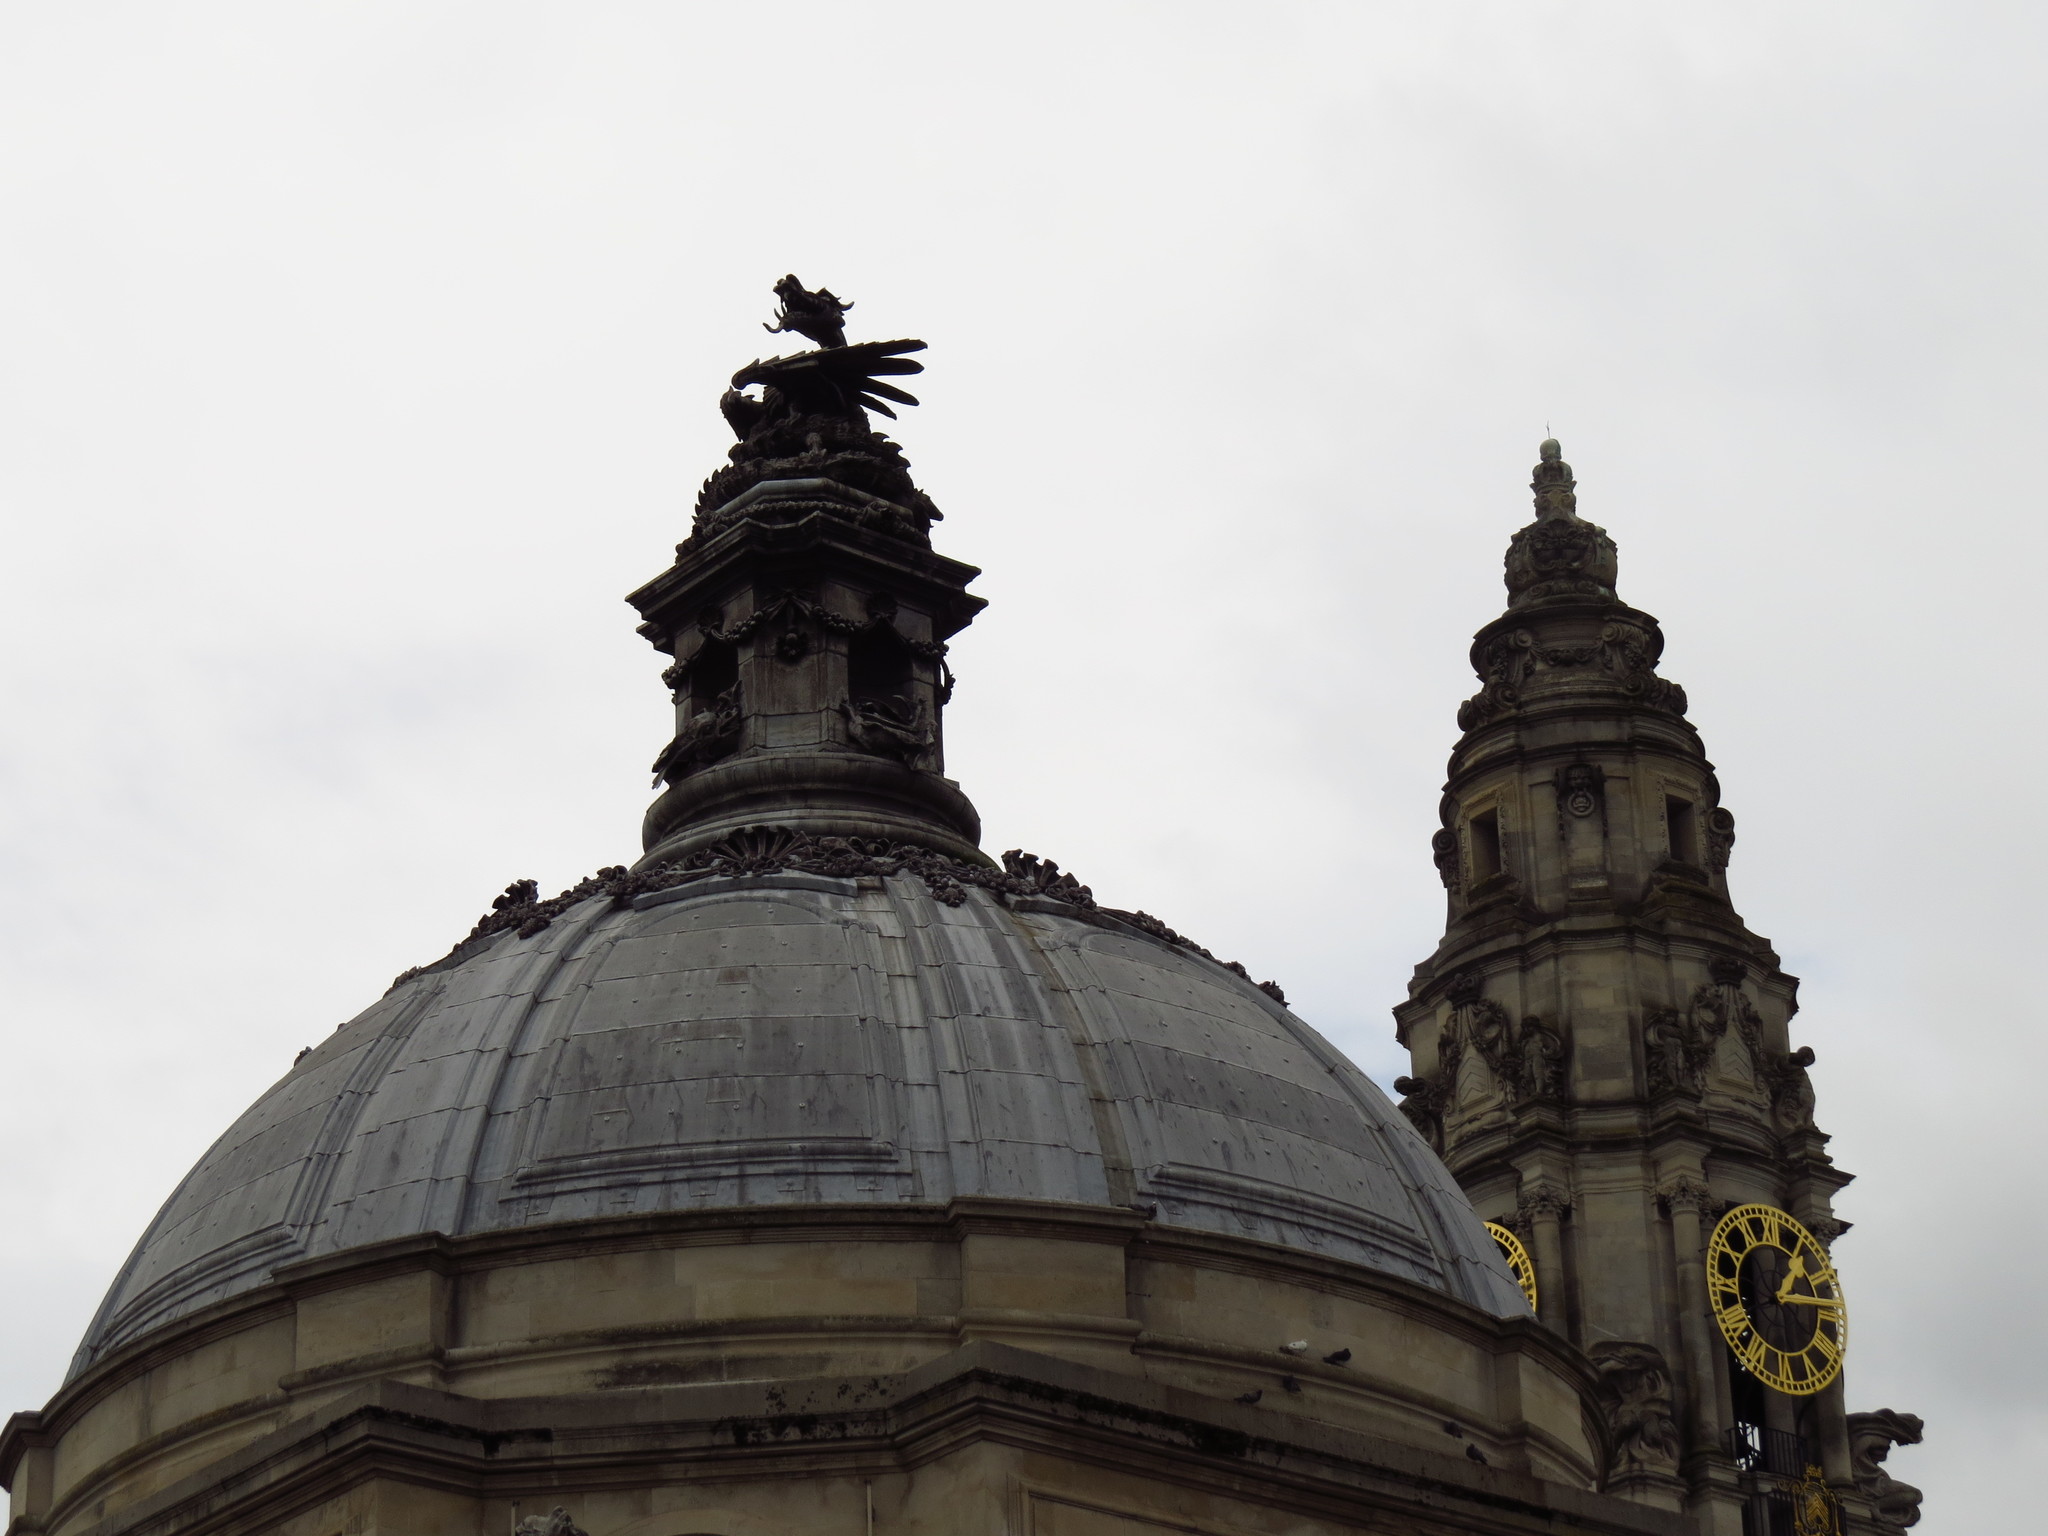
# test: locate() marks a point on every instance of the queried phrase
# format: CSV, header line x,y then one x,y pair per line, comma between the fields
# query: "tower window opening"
x,y
878,665
714,673
1680,824
1485,846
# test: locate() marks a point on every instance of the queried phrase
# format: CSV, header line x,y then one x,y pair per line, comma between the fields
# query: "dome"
x,y
787,1037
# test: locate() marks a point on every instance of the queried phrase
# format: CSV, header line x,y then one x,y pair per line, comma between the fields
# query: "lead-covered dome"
x,y
788,1037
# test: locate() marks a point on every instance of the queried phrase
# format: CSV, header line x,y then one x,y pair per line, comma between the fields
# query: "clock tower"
x,y
1602,1052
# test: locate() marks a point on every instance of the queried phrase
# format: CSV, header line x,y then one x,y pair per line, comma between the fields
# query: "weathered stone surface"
x,y
769,1042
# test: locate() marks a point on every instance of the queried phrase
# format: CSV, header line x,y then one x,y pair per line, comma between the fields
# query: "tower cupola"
x,y
807,615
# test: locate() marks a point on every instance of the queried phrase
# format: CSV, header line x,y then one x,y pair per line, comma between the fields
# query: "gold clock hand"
x,y
1795,1271
1825,1275
1832,1303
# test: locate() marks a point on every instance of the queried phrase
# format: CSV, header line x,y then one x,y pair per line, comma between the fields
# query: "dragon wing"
x,y
838,378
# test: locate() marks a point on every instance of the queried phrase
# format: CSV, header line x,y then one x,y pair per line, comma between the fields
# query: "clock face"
x,y
1777,1299
1517,1256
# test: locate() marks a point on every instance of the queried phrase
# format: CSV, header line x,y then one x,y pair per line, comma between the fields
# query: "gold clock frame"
x,y
1520,1265
1744,1230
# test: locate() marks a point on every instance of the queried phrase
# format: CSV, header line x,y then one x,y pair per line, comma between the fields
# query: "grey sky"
x,y
356,359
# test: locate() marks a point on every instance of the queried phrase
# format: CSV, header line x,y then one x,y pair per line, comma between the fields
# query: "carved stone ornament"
x,y
1720,836
1826,1229
1541,1202
1542,1061
1686,1193
1635,1397
555,1523
1510,662
1480,1025
1422,1101
768,850
706,736
1679,1043
794,608
1815,1509
1579,789
894,727
1871,1438
1504,662
1791,1090
1443,852
1527,1059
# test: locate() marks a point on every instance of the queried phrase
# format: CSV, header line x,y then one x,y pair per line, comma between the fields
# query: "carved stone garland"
x,y
794,605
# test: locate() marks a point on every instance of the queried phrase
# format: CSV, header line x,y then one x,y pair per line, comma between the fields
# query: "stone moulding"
x,y
464,1449
488,1446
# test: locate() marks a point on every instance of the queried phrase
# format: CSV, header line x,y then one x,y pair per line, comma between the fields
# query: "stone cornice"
x,y
473,1253
537,1447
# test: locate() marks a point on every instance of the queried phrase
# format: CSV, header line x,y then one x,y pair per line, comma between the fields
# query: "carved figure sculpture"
x,y
1792,1091
709,734
1678,1043
809,422
890,728
1423,1103
1542,1060
814,316
1526,1059
554,1523
831,383
1635,1391
1871,1438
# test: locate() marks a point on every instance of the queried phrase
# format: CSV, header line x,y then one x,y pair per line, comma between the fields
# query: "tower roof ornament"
x,y
1559,555
1566,636
806,435
1553,483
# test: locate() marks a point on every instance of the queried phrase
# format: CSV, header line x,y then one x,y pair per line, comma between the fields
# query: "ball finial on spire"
x,y
1550,450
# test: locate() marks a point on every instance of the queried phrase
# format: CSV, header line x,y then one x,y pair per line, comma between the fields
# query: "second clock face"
x,y
1777,1299
1517,1256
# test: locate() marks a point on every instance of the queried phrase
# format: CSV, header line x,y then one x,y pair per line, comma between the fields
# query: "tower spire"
x,y
1599,1045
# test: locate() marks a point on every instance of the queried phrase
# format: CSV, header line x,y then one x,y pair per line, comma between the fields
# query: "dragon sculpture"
x,y
816,316
804,418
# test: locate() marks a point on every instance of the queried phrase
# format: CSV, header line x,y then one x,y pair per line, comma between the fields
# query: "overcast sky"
x,y
356,359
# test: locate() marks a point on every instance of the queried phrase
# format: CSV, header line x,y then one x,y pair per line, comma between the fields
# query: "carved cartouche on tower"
x,y
808,615
1650,1082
